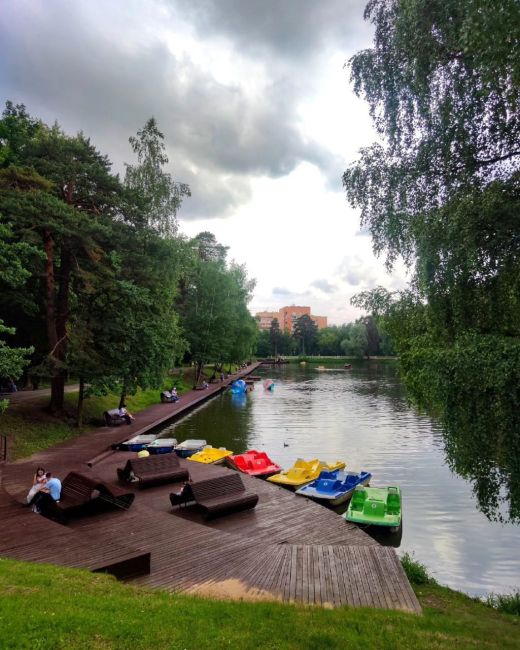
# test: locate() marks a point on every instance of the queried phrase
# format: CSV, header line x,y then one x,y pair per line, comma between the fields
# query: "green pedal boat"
x,y
375,507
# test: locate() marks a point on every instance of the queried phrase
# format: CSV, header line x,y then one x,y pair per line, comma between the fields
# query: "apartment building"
x,y
287,316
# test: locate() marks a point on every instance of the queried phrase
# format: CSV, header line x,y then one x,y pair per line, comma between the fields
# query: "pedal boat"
x,y
211,455
254,463
334,487
189,447
162,446
303,472
376,507
137,443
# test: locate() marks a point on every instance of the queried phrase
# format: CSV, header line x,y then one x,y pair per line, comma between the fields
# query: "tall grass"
x,y
416,572
505,603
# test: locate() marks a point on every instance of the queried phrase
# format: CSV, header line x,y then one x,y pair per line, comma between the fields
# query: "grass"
x,y
42,606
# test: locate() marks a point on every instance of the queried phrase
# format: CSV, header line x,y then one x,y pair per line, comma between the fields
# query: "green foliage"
x,y
443,191
156,196
213,306
416,572
305,331
505,603
443,84
263,345
86,610
356,341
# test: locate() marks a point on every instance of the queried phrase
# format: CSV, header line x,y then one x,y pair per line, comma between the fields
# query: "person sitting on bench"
x,y
128,417
49,493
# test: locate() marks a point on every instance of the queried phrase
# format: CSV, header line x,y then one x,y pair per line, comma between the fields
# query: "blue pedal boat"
x,y
137,443
162,446
189,447
334,487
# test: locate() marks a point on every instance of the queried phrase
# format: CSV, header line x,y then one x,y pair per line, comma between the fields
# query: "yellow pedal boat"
x,y
211,455
303,472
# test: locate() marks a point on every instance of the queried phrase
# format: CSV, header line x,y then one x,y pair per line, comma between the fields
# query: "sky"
x,y
258,114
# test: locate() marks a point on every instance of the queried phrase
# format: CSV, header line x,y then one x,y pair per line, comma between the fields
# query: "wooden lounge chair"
x,y
153,470
217,496
81,495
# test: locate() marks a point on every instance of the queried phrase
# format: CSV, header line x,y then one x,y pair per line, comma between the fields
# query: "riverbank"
x,y
45,606
30,428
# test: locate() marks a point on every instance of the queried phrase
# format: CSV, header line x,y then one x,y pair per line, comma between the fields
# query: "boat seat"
x,y
393,503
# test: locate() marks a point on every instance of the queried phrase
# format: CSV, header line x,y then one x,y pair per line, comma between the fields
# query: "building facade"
x,y
287,317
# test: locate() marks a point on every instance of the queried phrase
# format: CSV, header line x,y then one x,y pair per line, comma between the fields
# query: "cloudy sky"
x,y
257,110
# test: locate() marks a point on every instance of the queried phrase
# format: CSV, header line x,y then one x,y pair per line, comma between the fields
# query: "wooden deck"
x,y
288,548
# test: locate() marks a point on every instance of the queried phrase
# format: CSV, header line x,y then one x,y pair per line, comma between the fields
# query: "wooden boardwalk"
x,y
288,548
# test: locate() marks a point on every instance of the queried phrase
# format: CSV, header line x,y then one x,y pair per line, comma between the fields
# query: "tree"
x,y
208,249
275,337
356,341
155,194
13,259
213,309
305,331
443,84
57,193
442,190
263,344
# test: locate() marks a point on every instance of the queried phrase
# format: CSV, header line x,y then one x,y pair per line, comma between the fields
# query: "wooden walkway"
x,y
288,548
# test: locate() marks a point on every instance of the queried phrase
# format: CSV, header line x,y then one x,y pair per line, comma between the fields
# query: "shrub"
x,y
505,603
416,572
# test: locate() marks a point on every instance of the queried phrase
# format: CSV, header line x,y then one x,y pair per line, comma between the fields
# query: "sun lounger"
x,y
217,496
153,470
81,495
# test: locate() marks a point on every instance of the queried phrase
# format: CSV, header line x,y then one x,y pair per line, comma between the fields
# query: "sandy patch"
x,y
232,589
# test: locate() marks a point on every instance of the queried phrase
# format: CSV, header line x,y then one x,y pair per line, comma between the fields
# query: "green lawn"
x,y
49,607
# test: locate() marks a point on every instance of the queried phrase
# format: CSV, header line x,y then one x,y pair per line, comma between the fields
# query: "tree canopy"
x,y
442,191
116,296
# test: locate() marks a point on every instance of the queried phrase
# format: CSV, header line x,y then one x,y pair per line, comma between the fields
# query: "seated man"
x,y
49,494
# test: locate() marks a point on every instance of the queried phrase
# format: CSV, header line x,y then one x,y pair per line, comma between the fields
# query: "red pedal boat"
x,y
254,463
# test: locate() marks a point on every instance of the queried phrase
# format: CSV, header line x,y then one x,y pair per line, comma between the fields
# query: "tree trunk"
x,y
81,398
57,380
122,398
198,372
57,316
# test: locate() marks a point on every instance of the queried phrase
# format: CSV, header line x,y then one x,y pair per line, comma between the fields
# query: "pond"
x,y
361,416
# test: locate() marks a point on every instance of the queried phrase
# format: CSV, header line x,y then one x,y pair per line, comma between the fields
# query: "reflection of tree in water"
x,y
477,399
223,422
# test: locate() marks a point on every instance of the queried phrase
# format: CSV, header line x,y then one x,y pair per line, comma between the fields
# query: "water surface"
x,y
361,416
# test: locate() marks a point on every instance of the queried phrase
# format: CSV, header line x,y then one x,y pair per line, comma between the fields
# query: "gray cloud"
x,y
324,285
105,68
355,272
288,29
282,291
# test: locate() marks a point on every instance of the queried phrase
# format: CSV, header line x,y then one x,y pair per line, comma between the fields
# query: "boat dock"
x,y
288,548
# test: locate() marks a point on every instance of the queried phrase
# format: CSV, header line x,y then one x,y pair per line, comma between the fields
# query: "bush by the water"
x,y
505,603
416,572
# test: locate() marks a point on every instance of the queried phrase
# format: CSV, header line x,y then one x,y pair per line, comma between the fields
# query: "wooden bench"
x,y
153,470
81,495
217,496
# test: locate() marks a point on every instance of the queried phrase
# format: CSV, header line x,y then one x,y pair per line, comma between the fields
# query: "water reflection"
x,y
362,417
